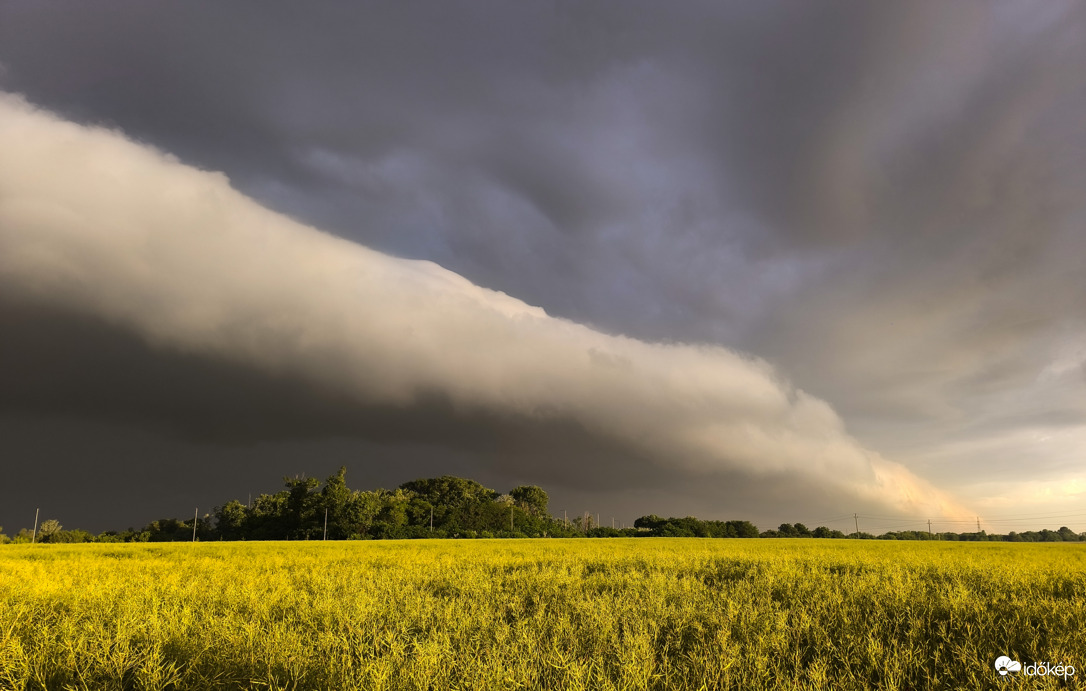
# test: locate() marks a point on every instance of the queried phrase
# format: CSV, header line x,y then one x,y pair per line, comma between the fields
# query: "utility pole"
x,y
597,519
856,517
978,524
326,523
612,522
929,527
195,517
34,535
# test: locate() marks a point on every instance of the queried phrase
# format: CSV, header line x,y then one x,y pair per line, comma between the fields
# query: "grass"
x,y
539,614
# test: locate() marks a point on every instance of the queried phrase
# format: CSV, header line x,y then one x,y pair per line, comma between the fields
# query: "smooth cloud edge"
x,y
92,220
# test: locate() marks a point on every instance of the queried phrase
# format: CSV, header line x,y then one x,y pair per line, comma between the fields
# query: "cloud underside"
x,y
115,246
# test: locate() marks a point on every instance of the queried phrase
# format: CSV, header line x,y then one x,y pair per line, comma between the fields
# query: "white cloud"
x,y
97,223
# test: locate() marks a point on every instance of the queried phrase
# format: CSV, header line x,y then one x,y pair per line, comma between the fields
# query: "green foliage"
x,y
655,526
449,507
531,498
71,537
48,529
230,520
454,507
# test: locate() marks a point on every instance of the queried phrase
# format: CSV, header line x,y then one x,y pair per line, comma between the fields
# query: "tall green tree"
x,y
231,519
302,507
362,512
531,498
335,498
459,504
48,529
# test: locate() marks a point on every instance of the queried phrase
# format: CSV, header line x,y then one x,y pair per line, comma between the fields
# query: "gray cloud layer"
x,y
880,200
93,223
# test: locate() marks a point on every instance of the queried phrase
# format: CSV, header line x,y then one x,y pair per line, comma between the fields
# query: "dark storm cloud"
x,y
963,313
93,224
881,199
61,363
480,136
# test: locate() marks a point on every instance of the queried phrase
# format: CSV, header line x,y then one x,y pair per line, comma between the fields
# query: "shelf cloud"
x,y
113,232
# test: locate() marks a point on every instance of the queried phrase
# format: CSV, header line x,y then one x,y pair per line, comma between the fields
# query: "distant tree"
x,y
690,526
71,536
302,508
1067,535
230,519
392,521
419,511
168,530
650,522
531,498
336,498
450,493
360,514
268,519
459,505
744,529
48,529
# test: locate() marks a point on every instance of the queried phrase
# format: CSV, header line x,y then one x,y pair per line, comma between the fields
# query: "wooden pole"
x,y
34,535
856,517
195,517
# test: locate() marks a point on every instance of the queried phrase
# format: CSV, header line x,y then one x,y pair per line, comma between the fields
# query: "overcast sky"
x,y
774,261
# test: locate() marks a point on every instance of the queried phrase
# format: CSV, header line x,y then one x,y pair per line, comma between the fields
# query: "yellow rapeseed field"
x,y
540,614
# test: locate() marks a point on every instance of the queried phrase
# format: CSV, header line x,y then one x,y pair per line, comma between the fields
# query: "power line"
x,y
896,523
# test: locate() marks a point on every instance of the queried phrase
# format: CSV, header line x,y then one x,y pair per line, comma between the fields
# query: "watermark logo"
x,y
1004,665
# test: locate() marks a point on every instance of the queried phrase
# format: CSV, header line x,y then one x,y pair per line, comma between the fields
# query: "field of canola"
x,y
540,614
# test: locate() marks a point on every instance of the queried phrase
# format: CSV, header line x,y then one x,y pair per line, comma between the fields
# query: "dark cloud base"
x,y
72,383
104,431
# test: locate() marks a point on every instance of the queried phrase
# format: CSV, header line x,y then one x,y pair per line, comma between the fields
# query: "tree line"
x,y
443,507
1064,534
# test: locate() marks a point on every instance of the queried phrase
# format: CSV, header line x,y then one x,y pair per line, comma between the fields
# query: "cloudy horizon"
x,y
779,264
